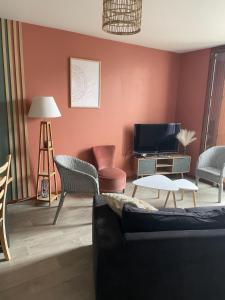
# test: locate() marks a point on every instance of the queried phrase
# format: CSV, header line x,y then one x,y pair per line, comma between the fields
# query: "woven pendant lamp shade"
x,y
122,17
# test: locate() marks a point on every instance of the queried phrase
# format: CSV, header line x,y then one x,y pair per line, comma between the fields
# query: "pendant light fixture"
x,y
122,17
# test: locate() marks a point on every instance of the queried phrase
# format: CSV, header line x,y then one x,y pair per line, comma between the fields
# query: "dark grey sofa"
x,y
166,265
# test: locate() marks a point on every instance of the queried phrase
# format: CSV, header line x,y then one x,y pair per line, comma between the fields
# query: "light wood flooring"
x,y
55,262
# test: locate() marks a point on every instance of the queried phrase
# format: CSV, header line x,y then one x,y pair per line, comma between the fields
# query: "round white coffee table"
x,y
157,182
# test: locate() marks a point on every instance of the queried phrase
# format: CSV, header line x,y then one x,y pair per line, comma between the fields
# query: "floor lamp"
x,y
45,108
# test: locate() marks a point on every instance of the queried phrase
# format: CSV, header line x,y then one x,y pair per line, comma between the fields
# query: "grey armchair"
x,y
211,167
77,176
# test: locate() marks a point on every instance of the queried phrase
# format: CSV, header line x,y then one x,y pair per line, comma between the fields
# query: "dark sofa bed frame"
x,y
166,265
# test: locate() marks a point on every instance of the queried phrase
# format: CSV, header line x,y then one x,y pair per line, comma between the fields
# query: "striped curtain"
x,y
13,123
213,132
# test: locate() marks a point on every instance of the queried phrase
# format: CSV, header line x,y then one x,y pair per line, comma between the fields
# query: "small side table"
x,y
186,185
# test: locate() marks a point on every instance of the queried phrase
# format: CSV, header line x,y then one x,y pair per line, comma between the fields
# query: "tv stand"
x,y
163,164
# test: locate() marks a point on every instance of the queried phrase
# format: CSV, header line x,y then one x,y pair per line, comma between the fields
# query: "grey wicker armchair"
x,y
77,176
211,167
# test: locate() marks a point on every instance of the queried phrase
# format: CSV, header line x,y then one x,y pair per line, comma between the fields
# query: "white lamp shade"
x,y
44,107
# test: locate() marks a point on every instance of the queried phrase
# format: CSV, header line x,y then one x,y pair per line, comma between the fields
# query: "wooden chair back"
x,y
4,177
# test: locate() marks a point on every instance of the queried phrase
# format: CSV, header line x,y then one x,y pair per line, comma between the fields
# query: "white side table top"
x,y
184,184
158,182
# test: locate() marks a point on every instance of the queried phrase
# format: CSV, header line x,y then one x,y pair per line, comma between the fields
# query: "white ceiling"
x,y
175,25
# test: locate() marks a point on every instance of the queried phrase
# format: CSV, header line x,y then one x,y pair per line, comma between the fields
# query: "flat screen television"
x,y
156,138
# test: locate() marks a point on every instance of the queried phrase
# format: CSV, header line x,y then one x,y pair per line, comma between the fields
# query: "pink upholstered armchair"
x,y
111,179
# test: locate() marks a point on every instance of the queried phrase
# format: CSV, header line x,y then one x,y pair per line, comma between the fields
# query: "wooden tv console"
x,y
163,164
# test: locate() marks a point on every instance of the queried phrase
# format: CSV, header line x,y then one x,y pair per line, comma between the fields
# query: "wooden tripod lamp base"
x,y
46,175
45,108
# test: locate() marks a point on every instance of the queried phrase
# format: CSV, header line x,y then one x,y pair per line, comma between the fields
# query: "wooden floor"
x,y
55,262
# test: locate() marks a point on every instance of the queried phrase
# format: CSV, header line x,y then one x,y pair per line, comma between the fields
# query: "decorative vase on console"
x,y
186,137
185,150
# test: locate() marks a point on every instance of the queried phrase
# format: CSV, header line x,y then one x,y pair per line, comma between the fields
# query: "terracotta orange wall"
x,y
138,85
191,95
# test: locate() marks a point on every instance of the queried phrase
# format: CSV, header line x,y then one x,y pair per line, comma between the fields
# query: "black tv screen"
x,y
156,138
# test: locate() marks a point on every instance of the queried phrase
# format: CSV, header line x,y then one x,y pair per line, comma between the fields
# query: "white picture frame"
x,y
84,83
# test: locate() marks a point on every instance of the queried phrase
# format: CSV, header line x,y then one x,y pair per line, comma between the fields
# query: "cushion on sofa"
x,y
138,220
117,201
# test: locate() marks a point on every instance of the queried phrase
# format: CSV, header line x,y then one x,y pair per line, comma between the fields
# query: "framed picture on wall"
x,y
85,83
